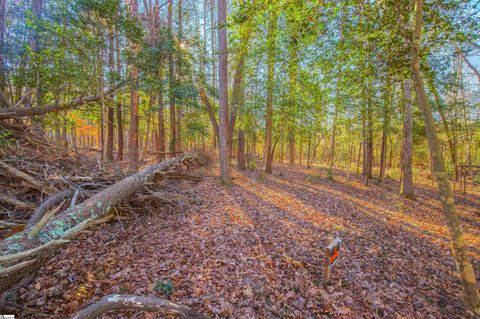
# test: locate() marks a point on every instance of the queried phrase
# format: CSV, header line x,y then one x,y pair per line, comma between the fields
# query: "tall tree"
x,y
271,48
171,79
134,102
3,13
406,187
224,130
471,296
179,73
110,110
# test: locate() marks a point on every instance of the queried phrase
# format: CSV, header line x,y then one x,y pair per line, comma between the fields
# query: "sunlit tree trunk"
x,y
271,47
134,101
385,130
332,140
446,125
471,297
224,130
292,91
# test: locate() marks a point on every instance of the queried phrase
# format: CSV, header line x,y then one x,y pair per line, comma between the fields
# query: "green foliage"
x,y
164,287
5,136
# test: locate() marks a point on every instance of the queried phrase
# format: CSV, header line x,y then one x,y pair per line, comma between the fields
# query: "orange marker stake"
x,y
332,253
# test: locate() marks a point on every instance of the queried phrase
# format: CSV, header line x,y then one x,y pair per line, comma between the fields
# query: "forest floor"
x,y
256,250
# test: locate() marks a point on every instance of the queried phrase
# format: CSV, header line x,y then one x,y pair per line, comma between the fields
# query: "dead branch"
x,y
149,304
21,175
14,202
6,113
47,205
43,221
12,274
32,252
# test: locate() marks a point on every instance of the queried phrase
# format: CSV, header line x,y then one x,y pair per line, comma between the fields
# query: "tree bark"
x,y
406,187
3,13
385,130
134,101
179,73
332,141
110,110
161,128
171,80
210,112
471,297
149,304
16,112
224,130
120,138
271,47
241,150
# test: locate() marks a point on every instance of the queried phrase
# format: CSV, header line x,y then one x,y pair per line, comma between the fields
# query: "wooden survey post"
x,y
332,253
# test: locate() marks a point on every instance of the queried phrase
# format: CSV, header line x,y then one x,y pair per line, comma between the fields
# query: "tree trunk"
x,y
134,102
241,150
171,81
110,113
271,47
471,297
179,73
406,187
224,130
212,33
386,128
161,129
292,91
332,141
446,125
3,13
120,139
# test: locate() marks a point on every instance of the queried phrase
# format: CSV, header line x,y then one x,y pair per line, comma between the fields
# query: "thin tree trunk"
x,y
171,80
406,186
120,139
241,150
161,129
332,141
224,130
271,47
178,126
471,297
386,127
102,103
110,112
134,101
3,13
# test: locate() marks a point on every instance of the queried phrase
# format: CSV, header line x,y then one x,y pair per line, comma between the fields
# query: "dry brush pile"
x,y
49,194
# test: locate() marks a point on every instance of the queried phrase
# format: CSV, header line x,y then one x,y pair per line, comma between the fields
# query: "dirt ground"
x,y
256,250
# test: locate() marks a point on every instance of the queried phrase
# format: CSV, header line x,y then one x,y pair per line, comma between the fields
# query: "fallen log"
x,y
149,304
91,212
15,112
48,204
11,275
